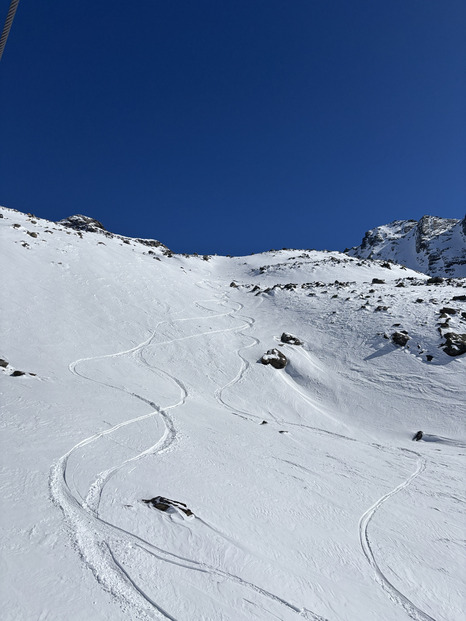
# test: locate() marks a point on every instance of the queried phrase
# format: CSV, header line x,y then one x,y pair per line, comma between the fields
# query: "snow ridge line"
x,y
413,611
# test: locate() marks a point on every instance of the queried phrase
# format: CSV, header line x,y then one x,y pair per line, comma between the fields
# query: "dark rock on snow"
x,y
165,504
400,338
417,436
275,358
82,223
455,344
286,337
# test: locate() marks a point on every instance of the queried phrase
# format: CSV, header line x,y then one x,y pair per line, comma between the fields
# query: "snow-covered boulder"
x,y
276,358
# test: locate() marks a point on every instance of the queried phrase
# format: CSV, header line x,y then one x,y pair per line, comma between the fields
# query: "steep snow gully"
x,y
100,542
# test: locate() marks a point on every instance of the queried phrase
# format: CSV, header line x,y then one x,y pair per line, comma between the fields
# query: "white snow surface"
x,y
436,246
148,383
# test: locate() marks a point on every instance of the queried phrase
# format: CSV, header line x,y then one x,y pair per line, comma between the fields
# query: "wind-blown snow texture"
x,y
435,246
142,378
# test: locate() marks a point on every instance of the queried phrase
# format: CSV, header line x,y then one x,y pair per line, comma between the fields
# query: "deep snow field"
x,y
148,383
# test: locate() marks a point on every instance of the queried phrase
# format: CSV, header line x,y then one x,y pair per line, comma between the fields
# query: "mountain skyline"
x,y
250,126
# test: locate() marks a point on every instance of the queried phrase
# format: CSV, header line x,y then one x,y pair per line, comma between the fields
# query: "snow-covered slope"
x,y
141,378
435,246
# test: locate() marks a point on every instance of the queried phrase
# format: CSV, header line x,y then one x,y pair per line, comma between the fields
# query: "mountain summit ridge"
x,y
433,245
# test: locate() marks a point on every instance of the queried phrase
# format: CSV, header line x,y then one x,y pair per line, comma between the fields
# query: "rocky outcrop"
x,y
276,358
87,224
433,245
82,223
455,344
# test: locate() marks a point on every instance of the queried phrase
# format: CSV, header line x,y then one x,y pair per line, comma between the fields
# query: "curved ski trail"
x,y
413,611
93,536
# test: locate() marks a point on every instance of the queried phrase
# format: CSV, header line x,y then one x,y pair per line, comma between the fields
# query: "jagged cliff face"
x,y
435,246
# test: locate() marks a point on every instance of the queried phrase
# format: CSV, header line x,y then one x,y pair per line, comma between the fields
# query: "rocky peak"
x,y
433,245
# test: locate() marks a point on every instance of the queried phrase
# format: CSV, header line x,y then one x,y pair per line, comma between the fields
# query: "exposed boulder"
x,y
276,358
167,505
418,436
455,344
458,298
400,338
3,363
286,337
448,311
436,280
17,373
378,281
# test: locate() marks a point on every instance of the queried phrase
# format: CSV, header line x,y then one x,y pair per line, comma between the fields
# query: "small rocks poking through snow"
x,y
286,337
170,506
275,358
417,436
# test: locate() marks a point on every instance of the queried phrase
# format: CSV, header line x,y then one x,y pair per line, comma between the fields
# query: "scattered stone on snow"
x,y
448,311
167,505
400,338
286,337
378,281
17,373
458,298
264,422
417,436
3,363
276,358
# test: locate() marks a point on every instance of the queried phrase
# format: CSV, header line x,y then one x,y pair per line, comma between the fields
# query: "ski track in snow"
x,y
94,537
413,611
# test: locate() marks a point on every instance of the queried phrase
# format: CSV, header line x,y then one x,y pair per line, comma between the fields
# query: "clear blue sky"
x,y
233,126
